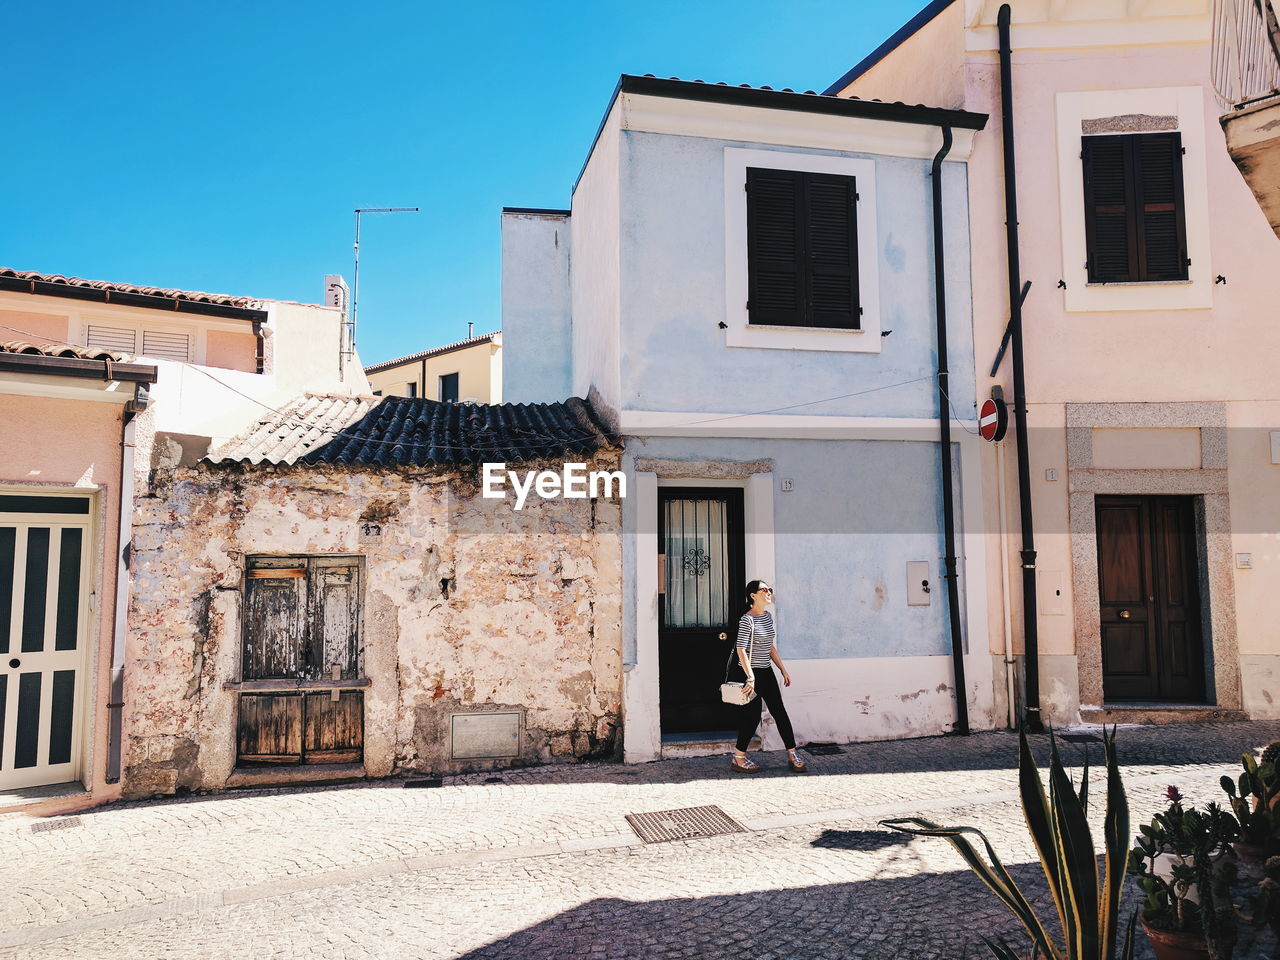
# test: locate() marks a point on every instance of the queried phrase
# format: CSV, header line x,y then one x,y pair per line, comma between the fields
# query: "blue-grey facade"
x,y
832,438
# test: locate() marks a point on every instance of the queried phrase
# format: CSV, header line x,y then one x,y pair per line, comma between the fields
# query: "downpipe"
x,y
1031,636
944,441
124,540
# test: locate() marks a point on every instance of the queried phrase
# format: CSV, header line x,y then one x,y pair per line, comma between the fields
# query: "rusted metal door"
x,y
1149,593
44,597
301,630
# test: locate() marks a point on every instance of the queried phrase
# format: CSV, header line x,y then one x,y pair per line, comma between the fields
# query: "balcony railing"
x,y
1246,52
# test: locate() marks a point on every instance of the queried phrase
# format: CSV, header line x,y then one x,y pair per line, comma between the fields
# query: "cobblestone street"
x,y
541,863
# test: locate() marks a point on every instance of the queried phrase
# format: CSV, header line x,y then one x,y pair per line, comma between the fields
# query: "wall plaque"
x,y
484,736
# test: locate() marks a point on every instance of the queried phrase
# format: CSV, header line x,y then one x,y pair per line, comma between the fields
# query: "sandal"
x,y
743,764
796,764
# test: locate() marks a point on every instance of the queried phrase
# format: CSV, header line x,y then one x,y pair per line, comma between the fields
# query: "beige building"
x,y
469,371
1153,418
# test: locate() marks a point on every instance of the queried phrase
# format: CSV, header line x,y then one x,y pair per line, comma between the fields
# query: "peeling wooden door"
x,y
301,629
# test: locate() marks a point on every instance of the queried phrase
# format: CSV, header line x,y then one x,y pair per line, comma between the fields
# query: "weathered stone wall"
x,y
469,606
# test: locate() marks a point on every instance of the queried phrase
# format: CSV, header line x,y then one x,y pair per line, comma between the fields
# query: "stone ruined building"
x,y
330,596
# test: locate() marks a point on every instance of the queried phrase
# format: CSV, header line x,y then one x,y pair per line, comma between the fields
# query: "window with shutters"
x,y
1135,225
802,249
162,343
801,268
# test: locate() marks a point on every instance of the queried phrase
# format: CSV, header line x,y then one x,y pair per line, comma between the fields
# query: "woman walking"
x,y
757,652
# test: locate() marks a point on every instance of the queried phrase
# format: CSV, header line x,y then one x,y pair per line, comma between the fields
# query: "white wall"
x,y
595,278
536,309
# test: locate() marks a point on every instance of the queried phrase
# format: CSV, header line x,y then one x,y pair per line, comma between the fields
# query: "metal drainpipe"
x,y
124,539
944,427
1031,637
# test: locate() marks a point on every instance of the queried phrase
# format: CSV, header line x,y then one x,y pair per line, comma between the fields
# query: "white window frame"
x,y
1187,105
739,331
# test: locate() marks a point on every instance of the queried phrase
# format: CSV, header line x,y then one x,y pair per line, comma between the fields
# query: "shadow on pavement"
x,y
923,917
859,839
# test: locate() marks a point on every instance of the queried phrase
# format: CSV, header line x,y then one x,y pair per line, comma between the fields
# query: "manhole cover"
x,y
688,823
1080,738
60,824
821,749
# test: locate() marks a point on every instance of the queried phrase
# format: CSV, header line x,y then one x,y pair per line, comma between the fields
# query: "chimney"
x,y
471,329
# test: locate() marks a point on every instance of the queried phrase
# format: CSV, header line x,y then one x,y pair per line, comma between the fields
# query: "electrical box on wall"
x,y
919,587
1051,600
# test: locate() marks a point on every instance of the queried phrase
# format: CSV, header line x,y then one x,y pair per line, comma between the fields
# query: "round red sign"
x,y
993,419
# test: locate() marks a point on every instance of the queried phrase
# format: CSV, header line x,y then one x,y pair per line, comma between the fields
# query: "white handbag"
x,y
736,693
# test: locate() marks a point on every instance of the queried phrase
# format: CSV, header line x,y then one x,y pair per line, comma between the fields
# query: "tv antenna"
x,y
355,278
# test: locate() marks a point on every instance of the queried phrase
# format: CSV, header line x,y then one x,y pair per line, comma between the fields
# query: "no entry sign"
x,y
993,419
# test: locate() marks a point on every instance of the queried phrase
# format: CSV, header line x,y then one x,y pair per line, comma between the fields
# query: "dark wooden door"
x,y
1149,588
701,580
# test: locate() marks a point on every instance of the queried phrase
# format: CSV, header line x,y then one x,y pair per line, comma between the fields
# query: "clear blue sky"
x,y
222,146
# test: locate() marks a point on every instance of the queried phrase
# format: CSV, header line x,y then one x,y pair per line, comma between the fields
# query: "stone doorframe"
x,y
1208,483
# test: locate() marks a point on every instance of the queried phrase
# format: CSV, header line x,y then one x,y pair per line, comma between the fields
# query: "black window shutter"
x,y
774,265
802,249
831,251
1162,224
1108,210
1135,228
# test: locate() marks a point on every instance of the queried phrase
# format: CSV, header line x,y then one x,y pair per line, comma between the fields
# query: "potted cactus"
x,y
1255,801
1184,864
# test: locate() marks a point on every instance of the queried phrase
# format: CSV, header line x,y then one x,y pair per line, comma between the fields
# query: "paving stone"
x,y
543,865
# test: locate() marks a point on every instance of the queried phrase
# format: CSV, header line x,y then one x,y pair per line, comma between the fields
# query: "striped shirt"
x,y
765,635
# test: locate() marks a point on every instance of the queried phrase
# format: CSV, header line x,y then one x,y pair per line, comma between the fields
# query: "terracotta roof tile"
x,y
297,428
433,352
192,295
62,350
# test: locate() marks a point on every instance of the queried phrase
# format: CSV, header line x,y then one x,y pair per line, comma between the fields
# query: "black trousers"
x,y
768,693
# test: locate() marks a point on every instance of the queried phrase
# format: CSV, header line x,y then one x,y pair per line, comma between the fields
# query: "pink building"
x,y
89,373
1152,411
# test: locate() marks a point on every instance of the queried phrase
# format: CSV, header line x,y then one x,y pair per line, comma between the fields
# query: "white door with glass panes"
x,y
44,584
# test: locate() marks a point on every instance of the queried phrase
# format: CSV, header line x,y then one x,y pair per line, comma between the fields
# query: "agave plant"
x,y
1088,907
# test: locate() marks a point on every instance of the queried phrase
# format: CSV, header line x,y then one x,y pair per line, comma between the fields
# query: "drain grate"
x,y
60,824
1080,738
427,782
687,823
821,749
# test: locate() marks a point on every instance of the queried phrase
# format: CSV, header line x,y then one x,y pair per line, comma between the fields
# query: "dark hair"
x,y
753,586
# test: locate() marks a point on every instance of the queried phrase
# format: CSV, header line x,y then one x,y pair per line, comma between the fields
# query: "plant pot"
x,y
1172,945
1163,863
1251,857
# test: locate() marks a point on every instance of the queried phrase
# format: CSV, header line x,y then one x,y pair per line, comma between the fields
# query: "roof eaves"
x,y
535,211
433,352
127,295
899,37
768,98
44,365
